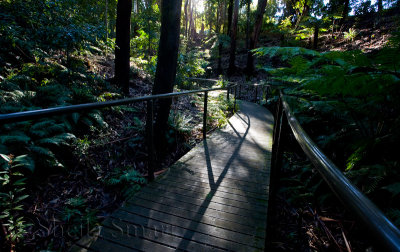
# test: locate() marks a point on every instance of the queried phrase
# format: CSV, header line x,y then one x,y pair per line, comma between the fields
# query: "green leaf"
x,y
24,161
5,157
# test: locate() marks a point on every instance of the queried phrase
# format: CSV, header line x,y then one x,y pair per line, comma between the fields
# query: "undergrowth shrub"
x,y
348,103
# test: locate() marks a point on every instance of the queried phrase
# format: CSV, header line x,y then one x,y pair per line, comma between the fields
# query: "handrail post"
x,y
150,139
227,93
240,91
205,115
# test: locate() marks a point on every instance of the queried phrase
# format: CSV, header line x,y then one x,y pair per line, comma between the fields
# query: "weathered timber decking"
x,y
214,198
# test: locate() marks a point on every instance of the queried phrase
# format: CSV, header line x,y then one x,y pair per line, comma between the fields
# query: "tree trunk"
x,y
122,40
254,36
232,53
186,17
345,12
230,12
380,6
316,31
166,66
106,25
248,24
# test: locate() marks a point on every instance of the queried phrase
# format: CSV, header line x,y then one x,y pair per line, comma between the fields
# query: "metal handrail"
x,y
386,232
35,114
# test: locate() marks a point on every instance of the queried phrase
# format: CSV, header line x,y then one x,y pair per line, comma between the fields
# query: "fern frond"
x,y
24,161
96,117
284,52
15,138
61,139
41,151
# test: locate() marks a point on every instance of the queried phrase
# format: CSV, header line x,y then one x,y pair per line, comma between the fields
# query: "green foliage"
x,y
218,108
78,217
12,187
179,127
347,102
128,179
191,64
351,34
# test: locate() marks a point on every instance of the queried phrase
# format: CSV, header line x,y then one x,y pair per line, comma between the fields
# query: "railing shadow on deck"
x,y
215,184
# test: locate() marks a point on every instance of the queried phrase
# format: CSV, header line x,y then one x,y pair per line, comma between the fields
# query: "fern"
x,y
42,152
129,179
61,139
15,138
284,53
46,128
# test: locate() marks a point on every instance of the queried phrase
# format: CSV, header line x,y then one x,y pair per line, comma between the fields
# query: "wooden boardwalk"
x,y
214,198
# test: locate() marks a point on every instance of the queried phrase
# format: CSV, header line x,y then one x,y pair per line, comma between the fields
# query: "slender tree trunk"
x,y
230,13
166,66
186,17
345,12
218,28
380,6
248,24
316,31
106,25
254,36
149,12
122,40
232,54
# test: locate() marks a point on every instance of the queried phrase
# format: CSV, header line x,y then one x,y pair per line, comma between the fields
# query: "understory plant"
x,y
348,103
12,194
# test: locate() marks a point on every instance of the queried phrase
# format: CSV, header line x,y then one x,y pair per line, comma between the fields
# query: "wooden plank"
x,y
202,199
195,203
239,219
217,218
196,182
184,183
235,170
228,183
203,193
138,222
241,165
132,212
225,175
157,233
198,186
126,242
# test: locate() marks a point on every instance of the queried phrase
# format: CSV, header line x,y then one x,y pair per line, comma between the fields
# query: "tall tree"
x,y
233,33
254,36
166,65
122,40
230,13
248,2
186,17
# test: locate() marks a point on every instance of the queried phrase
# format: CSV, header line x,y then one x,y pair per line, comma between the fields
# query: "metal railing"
x,y
385,232
41,113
